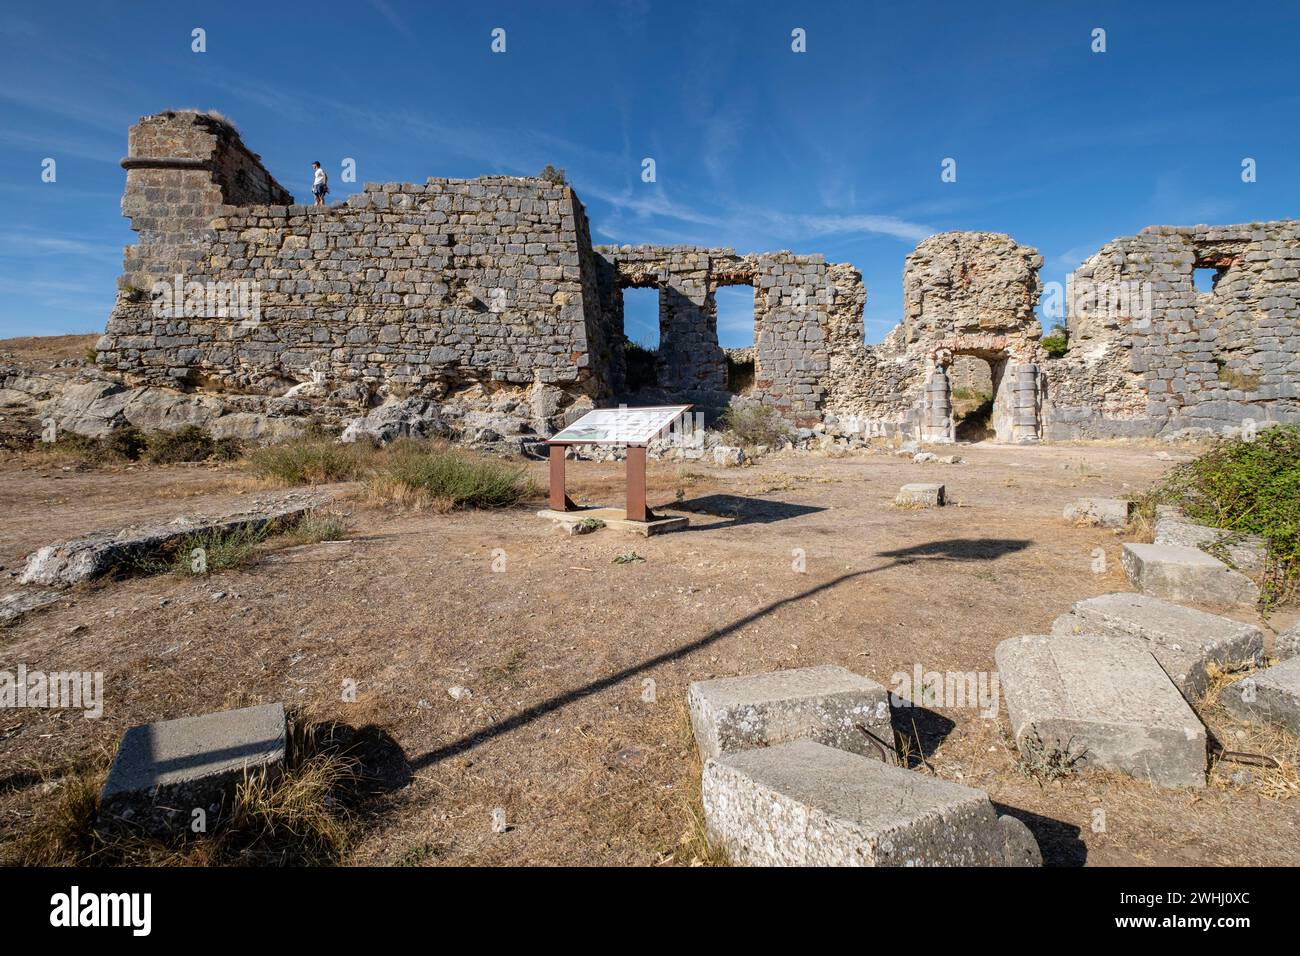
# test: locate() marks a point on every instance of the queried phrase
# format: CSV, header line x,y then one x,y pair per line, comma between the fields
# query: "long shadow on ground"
x,y
958,549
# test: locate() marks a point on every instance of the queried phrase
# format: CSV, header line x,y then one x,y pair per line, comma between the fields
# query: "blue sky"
x,y
837,150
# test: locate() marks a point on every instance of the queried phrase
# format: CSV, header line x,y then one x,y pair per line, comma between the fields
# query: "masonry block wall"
x,y
469,287
1152,355
966,294
181,167
793,298
411,285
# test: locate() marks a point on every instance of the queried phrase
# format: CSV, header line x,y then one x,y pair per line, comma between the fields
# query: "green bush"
x,y
1057,342
552,175
416,473
1246,486
754,424
190,443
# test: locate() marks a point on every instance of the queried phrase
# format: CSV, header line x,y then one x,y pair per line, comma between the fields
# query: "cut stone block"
x,y
1106,512
805,804
1184,641
169,768
101,552
920,495
827,704
1186,574
1243,552
16,604
1287,644
1105,698
1270,696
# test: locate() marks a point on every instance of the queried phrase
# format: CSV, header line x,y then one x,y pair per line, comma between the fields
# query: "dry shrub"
x,y
435,475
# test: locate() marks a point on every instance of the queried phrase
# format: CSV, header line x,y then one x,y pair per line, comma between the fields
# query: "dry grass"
x,y
313,461
319,525
693,847
439,477
1280,782
303,816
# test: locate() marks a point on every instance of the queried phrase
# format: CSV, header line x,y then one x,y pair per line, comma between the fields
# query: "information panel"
x,y
620,426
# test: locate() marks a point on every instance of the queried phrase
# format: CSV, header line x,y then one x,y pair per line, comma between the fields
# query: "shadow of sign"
x,y
740,510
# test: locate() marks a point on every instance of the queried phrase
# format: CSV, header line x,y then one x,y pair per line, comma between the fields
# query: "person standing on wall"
x,y
320,184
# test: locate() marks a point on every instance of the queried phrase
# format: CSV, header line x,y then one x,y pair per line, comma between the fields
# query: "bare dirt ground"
x,y
578,666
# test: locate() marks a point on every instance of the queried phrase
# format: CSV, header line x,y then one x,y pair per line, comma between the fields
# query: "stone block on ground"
x,y
16,604
163,771
99,553
805,804
1106,512
1183,574
1106,699
827,704
1270,696
920,495
1287,644
1183,641
1245,552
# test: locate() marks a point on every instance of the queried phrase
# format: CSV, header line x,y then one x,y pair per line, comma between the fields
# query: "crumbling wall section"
x,y
1151,355
793,295
181,167
965,294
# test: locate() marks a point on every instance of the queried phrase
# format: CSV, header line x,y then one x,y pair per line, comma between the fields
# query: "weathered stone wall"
x,y
793,298
965,294
1150,355
406,286
487,297
181,167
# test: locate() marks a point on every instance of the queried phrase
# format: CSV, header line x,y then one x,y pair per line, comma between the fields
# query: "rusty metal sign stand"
x,y
637,509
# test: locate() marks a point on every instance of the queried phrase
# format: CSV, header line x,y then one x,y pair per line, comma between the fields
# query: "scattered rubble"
x,y
102,552
803,803
1270,696
1106,512
164,771
1186,574
920,495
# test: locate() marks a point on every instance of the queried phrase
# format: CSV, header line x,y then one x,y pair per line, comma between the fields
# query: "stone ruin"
x,y
486,297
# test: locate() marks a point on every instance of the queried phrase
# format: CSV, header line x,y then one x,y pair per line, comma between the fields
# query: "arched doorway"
x,y
981,395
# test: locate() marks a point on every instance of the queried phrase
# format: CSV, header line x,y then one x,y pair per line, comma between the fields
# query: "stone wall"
x,y
181,167
417,288
793,299
965,294
1150,355
485,291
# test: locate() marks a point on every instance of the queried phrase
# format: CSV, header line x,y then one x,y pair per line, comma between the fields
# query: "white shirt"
x,y
319,177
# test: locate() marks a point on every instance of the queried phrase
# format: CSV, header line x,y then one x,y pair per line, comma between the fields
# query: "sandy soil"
x,y
578,665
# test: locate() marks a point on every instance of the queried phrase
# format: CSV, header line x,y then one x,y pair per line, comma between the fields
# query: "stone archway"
x,y
1015,400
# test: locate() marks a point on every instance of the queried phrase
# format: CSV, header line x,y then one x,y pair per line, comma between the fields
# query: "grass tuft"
x,y
190,443
438,476
313,461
